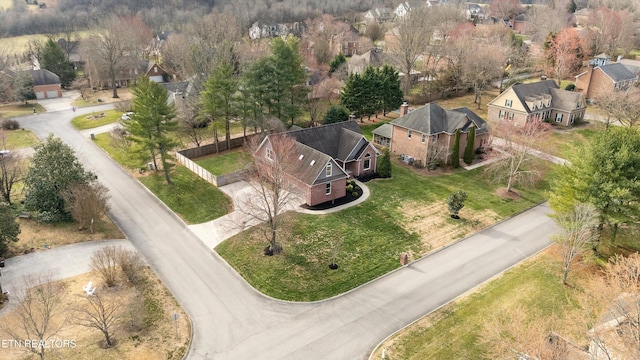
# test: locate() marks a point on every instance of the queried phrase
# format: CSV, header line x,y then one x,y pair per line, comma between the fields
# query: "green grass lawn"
x,y
371,236
456,330
96,119
192,198
565,143
19,109
124,158
19,139
226,162
195,200
467,101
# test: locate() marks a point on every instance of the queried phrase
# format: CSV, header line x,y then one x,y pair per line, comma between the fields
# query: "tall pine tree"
x,y
219,96
55,60
391,91
153,122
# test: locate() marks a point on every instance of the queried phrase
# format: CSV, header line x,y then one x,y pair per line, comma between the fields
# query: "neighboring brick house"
x,y
522,103
155,72
325,157
46,84
604,77
415,135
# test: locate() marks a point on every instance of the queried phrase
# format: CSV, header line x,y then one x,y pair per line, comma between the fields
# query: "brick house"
x,y
46,84
415,135
155,72
522,103
603,78
325,157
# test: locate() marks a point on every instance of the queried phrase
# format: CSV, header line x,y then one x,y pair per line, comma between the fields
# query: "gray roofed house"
x,y
426,134
631,65
604,78
522,103
46,84
379,14
374,57
340,146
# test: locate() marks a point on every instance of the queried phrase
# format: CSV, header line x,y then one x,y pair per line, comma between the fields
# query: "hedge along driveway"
x,y
365,241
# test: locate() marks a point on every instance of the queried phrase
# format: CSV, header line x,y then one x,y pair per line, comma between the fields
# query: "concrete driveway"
x,y
233,321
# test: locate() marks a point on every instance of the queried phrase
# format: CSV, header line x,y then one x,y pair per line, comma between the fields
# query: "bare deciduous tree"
x,y
273,191
39,314
114,47
12,171
577,234
120,139
515,156
609,30
104,261
102,313
622,106
131,265
564,53
87,203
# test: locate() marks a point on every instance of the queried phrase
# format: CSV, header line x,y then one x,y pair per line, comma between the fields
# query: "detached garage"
x,y
46,84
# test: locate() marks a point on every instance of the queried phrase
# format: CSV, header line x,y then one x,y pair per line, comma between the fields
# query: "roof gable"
x,y
336,140
44,77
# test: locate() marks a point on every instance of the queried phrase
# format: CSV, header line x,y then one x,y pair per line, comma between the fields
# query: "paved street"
x,y
233,321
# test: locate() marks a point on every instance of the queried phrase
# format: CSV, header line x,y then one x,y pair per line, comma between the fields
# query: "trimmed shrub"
x,y
10,124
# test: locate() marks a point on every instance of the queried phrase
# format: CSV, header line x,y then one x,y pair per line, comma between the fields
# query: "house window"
x,y
328,170
572,118
269,154
501,115
327,189
424,138
579,104
367,161
558,117
409,133
508,103
510,116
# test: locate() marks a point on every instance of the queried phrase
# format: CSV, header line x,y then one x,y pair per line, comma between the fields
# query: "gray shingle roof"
x,y
308,164
384,130
617,72
44,77
631,65
533,90
432,119
339,140
565,100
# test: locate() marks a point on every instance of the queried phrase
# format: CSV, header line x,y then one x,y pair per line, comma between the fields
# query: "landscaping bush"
x,y
349,188
10,124
570,87
354,194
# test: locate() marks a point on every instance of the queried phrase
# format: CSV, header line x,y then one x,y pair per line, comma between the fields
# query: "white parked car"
x,y
126,116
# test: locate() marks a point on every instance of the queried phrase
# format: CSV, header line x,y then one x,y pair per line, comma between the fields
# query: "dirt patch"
x,y
511,195
437,229
166,339
37,236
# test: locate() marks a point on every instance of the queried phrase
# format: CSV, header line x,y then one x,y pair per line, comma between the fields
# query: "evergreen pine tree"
x,y
384,164
55,60
392,96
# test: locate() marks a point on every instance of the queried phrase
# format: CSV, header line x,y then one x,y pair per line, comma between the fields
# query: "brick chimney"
x,y
404,108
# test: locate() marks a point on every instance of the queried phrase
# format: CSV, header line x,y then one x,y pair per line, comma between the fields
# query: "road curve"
x,y
233,321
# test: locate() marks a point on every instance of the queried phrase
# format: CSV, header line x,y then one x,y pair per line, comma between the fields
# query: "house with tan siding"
x,y
539,101
325,157
415,135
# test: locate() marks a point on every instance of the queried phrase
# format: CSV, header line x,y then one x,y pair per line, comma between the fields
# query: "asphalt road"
x,y
233,321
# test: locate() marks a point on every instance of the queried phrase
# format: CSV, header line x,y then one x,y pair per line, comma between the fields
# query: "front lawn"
x,y
19,109
96,119
565,143
195,200
226,162
18,139
124,158
456,331
403,214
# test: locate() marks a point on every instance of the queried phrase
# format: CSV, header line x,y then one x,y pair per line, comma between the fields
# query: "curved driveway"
x,y
233,321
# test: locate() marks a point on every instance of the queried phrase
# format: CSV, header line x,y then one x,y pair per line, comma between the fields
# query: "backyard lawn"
x,y
96,119
17,139
226,162
404,214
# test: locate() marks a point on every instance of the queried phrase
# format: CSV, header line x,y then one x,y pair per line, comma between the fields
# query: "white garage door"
x,y
39,94
52,94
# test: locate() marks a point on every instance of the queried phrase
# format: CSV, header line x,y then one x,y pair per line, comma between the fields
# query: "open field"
x,y
147,330
456,330
404,214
